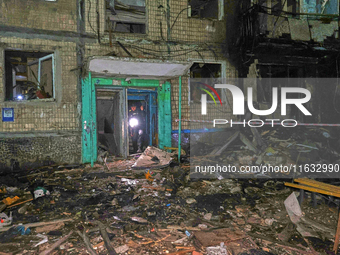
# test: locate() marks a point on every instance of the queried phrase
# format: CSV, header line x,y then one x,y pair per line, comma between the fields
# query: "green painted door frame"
x,y
89,128
89,121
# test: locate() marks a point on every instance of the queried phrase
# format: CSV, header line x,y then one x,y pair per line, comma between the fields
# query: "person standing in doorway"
x,y
136,126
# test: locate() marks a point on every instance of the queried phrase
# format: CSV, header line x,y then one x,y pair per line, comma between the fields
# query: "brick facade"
x,y
56,27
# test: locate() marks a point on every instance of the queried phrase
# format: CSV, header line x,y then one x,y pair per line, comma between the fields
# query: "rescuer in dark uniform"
x,y
137,126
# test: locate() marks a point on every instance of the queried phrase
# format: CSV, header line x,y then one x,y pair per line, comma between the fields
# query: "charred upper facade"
x,y
290,39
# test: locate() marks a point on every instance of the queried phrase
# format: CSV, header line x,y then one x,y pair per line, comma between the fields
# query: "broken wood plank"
x,y
87,242
106,238
258,138
21,203
156,188
156,241
249,144
37,224
180,241
56,244
228,142
98,245
5,253
185,247
279,244
337,236
69,171
182,252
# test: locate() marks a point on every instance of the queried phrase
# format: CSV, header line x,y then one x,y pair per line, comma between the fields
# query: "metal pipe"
x,y
180,117
91,118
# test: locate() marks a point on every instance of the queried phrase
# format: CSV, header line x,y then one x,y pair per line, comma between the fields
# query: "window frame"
x,y
301,3
220,13
53,71
108,22
49,54
298,9
223,78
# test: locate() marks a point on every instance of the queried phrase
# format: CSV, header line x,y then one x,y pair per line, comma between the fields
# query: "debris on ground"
x,y
153,157
111,208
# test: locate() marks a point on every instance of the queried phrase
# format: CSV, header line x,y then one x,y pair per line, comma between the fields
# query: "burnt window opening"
x,y
271,75
128,16
210,9
326,7
278,7
330,7
29,75
202,72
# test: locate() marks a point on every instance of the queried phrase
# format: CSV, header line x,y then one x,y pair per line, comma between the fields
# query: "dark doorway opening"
x,y
145,112
110,120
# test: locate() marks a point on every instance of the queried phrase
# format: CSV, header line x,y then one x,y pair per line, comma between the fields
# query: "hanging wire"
x,y
88,17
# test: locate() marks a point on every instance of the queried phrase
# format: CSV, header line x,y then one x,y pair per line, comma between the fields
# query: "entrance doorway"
x,y
111,114
142,105
113,99
113,107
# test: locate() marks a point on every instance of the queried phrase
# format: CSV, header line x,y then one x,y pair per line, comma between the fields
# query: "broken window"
x,y
330,7
213,9
320,6
29,75
201,72
271,75
126,16
278,7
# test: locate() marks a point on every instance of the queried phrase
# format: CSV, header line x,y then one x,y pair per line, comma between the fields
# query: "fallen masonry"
x,y
152,204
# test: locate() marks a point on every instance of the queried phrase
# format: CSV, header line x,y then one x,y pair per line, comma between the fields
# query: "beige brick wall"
x,y
208,56
183,29
35,115
198,40
59,15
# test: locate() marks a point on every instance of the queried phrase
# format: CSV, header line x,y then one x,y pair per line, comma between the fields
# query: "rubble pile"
x,y
287,148
150,204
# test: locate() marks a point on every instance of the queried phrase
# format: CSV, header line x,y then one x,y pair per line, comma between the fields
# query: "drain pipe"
x,y
91,121
180,118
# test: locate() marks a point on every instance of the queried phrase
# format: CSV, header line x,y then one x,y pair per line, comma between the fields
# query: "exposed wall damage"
x,y
295,39
72,32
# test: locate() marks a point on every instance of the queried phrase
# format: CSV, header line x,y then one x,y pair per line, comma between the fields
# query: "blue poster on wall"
x,y
7,114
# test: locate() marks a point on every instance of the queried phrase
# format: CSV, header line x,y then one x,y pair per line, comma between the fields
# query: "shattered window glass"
x,y
126,16
29,75
320,6
212,9
203,71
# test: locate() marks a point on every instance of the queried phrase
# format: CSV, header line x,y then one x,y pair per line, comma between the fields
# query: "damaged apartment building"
x,y
291,39
71,69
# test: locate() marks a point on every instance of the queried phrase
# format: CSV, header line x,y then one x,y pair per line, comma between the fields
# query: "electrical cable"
x,y
161,56
274,26
164,51
88,17
177,17
196,8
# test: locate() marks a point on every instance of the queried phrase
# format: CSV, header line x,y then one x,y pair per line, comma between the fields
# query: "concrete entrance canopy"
x,y
137,68
122,74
